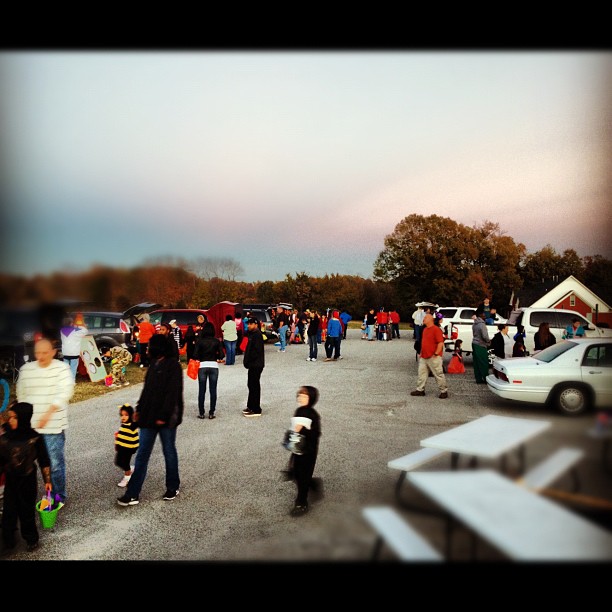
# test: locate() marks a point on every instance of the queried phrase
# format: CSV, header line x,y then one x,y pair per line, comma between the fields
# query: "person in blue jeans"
x,y
282,322
230,338
47,383
159,411
209,352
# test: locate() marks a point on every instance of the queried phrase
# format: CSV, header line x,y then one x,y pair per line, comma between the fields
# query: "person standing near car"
x,y
165,330
480,347
71,334
177,334
230,337
502,344
430,358
48,385
146,330
543,338
254,362
282,324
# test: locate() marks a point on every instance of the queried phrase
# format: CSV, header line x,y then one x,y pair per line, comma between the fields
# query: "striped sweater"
x,y
127,436
43,387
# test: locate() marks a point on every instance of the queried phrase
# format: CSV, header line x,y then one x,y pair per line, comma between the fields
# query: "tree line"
x,y
427,258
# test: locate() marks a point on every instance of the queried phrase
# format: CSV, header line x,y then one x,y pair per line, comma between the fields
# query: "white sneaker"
x,y
141,365
313,359
307,358
126,383
123,482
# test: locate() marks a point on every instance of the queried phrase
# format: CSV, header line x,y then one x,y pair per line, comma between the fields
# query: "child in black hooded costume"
x,y
20,448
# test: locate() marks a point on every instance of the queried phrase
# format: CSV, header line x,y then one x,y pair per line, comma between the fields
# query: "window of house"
x,y
572,300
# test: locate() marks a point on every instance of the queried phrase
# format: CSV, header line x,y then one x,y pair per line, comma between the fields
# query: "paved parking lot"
x,y
233,505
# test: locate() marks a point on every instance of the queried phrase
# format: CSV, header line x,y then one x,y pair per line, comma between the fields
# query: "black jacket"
x,y
313,434
208,349
162,394
497,344
254,353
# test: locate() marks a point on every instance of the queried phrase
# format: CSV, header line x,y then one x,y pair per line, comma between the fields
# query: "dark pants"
x,y
395,330
480,359
123,458
332,344
19,504
303,469
254,399
144,357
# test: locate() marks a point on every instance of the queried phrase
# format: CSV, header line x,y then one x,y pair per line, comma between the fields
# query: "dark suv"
x,y
107,328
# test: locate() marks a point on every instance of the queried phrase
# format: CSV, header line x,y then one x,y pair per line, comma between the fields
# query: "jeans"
x,y
312,346
73,362
204,374
282,332
370,332
56,444
167,435
230,352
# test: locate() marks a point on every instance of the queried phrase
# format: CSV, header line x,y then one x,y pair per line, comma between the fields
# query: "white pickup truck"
x,y
460,326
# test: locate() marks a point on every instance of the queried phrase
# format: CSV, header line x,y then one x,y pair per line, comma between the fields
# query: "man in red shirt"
x,y
432,348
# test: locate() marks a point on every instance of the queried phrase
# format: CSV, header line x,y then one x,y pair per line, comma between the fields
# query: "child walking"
x,y
306,420
126,442
20,449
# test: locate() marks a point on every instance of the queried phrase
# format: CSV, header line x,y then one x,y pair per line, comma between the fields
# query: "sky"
x,y
295,161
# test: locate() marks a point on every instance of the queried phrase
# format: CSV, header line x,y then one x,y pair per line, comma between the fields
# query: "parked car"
x,y
572,376
108,329
113,328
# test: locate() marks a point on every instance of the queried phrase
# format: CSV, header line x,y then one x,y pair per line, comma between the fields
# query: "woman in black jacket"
x,y
209,352
159,412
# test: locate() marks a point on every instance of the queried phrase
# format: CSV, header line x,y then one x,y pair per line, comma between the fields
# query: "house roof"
x,y
554,295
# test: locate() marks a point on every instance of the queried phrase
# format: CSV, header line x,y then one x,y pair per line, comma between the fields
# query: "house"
x,y
569,294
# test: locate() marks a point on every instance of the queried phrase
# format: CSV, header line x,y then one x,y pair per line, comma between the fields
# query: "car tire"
x,y
572,399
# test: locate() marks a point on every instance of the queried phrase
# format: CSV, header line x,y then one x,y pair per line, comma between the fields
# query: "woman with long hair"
x,y
543,337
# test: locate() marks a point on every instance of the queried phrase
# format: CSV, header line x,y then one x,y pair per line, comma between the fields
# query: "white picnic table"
x,y
488,437
519,523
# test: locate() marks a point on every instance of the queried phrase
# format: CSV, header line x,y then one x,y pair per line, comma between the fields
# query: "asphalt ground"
x,y
234,506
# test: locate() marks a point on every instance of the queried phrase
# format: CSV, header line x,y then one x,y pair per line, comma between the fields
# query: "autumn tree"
x,y
427,258
439,260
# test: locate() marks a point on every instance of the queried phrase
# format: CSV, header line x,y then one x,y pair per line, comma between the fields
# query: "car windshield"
x,y
552,352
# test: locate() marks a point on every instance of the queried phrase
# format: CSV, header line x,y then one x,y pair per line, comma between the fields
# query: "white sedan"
x,y
571,375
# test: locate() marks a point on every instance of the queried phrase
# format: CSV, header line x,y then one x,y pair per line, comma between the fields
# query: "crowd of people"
x,y
34,433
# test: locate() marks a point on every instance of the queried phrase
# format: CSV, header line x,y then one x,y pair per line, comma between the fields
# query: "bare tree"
x,y
215,267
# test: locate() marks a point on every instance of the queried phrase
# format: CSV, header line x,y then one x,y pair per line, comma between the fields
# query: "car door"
x,y
596,370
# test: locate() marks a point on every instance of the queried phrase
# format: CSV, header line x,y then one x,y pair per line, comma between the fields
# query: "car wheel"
x,y
572,400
